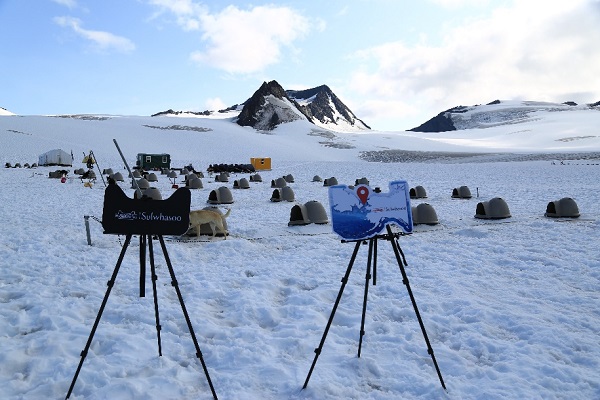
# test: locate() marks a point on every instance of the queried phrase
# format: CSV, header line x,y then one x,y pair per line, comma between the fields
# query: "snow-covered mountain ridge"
x,y
271,105
494,114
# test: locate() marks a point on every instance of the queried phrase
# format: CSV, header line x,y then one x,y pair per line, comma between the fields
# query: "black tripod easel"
x,y
145,217
145,241
372,260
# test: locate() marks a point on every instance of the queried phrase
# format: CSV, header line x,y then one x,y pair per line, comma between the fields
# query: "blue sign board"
x,y
362,213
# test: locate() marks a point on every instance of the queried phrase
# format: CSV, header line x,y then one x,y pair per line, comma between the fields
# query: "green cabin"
x,y
153,161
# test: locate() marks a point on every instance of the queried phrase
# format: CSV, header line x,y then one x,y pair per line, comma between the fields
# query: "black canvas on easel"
x,y
372,262
147,218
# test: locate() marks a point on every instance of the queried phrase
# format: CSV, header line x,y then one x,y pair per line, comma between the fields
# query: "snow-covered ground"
x,y
511,307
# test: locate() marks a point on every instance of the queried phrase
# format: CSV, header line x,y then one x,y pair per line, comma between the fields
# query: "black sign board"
x,y
123,215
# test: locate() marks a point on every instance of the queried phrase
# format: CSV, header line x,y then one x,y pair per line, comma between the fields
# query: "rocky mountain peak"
x,y
268,107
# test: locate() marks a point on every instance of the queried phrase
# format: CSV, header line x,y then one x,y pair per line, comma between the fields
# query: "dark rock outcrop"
x,y
323,105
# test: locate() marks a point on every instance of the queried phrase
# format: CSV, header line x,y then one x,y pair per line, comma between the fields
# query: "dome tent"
x,y
418,192
462,192
496,208
278,183
255,178
563,208
424,214
117,176
221,195
241,184
56,157
330,182
194,183
299,215
316,212
285,193
152,177
307,213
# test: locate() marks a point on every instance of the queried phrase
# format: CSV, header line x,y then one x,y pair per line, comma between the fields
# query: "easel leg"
x,y
401,264
142,265
374,261
108,290
337,301
185,313
364,309
154,292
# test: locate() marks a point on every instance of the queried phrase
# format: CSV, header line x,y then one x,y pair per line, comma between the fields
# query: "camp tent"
x,y
56,157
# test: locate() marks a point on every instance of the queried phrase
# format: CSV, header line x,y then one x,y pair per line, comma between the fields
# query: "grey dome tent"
x,y
289,178
462,192
317,178
118,177
153,193
330,182
278,183
194,183
107,171
496,208
222,177
241,184
255,178
299,215
142,184
221,195
152,177
361,181
307,213
316,212
418,192
285,193
56,157
563,208
424,214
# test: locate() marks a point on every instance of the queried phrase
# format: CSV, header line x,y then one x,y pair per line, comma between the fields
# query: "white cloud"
x,y
67,3
460,3
540,50
103,40
237,40
215,104
242,41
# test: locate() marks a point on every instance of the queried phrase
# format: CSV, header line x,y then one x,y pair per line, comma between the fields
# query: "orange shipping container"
x,y
261,163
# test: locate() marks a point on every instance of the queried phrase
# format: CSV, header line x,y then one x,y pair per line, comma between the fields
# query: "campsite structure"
x,y
56,157
149,161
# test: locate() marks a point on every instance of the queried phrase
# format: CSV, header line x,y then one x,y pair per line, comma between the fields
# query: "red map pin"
x,y
363,193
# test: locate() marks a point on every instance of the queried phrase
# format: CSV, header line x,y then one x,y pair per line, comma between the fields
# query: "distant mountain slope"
x,y
4,111
492,114
271,105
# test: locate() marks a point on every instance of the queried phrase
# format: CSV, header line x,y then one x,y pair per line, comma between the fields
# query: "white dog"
x,y
213,218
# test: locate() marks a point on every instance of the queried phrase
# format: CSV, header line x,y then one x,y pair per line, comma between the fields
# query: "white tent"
x,y
56,157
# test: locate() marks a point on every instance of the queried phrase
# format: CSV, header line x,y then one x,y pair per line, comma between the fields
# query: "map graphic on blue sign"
x,y
361,213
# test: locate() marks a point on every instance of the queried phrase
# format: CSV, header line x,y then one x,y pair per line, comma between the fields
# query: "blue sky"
x,y
395,63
